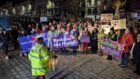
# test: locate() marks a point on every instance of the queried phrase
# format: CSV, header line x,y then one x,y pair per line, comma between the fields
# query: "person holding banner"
x,y
101,35
74,33
80,35
127,40
51,34
22,34
39,58
63,32
58,30
111,36
84,39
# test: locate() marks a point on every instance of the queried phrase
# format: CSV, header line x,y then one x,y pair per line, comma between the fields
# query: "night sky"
x,y
2,2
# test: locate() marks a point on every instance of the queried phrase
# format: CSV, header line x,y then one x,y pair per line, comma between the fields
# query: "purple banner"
x,y
26,42
85,39
61,41
112,48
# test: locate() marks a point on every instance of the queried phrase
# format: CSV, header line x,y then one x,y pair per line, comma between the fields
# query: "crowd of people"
x,y
128,37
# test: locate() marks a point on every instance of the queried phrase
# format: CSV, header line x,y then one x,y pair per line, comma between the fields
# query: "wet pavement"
x,y
82,66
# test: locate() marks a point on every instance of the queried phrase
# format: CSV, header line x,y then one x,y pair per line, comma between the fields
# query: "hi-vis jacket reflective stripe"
x,y
39,58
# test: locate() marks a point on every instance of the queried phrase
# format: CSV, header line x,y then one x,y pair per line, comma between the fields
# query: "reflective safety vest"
x,y
39,58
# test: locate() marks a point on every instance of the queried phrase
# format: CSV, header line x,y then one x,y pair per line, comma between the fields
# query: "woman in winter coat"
x,y
127,40
136,54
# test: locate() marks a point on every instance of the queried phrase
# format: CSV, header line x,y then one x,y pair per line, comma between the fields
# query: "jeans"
x,y
74,49
94,49
125,59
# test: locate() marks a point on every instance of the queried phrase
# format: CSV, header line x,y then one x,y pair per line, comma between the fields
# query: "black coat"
x,y
136,53
94,39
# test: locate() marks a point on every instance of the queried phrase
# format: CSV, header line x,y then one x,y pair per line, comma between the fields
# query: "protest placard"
x,y
61,41
115,24
85,39
26,42
119,24
112,48
106,17
122,23
106,28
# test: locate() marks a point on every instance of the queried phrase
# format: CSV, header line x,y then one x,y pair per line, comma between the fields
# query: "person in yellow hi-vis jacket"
x,y
40,59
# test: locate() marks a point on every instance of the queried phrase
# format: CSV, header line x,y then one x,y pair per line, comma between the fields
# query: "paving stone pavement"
x,y
82,66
